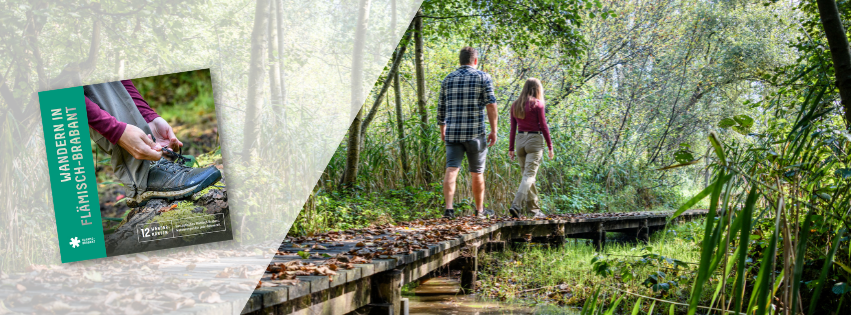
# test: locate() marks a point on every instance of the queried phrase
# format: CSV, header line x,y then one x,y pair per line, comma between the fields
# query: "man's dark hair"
x,y
467,55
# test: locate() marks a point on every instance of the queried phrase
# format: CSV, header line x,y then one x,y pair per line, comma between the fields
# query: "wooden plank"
x,y
317,283
271,296
298,290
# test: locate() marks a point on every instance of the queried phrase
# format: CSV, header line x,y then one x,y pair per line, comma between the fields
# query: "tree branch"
x,y
393,69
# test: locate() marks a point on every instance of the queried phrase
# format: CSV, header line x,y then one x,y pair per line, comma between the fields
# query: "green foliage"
x,y
662,269
340,210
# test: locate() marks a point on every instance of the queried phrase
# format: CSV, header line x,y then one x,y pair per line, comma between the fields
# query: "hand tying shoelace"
x,y
178,157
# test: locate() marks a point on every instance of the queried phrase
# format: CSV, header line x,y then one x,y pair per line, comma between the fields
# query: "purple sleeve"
x,y
545,129
147,112
512,131
103,122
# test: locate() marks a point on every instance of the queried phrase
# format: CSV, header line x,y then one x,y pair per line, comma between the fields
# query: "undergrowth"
x,y
571,274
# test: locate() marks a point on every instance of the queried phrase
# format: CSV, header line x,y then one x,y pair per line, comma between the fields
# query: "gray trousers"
x,y
113,98
529,149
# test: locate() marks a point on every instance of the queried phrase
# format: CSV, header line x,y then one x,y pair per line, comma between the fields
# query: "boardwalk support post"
x,y
599,237
494,246
644,232
468,272
556,239
386,293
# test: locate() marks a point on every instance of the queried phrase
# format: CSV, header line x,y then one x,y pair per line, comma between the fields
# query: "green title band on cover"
x,y
72,174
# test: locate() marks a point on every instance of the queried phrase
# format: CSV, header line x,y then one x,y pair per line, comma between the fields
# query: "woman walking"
x,y
529,127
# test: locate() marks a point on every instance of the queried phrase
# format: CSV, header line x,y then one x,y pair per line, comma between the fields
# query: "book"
x,y
135,165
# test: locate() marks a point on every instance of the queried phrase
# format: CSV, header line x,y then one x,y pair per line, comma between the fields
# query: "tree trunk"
x,y
394,69
256,75
274,57
839,52
421,105
350,173
281,110
397,89
418,63
123,240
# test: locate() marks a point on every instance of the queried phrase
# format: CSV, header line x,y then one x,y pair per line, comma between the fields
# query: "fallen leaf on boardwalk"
x,y
185,303
190,267
212,297
54,307
224,274
20,287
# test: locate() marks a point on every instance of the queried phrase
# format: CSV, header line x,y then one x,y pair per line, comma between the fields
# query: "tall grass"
x,y
563,276
779,211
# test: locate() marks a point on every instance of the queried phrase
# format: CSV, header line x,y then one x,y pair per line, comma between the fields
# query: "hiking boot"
x,y
514,213
173,180
449,214
485,214
538,214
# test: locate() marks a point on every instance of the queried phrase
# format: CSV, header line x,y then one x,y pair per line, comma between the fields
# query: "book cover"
x,y
135,165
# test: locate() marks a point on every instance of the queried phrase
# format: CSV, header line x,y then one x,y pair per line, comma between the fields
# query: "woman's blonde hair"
x,y
532,89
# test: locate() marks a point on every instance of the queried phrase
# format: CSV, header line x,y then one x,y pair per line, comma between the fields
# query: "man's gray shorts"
x,y
476,151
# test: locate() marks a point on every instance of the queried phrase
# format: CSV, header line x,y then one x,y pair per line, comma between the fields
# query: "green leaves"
x,y
727,123
719,148
683,156
744,121
828,262
739,123
841,288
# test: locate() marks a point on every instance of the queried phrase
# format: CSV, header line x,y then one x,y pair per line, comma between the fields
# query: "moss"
x,y
203,192
182,214
209,158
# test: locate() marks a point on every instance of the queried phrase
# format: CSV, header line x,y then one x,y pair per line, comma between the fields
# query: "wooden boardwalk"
x,y
340,272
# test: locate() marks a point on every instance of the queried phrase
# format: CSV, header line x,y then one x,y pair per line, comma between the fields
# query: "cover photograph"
x,y
135,165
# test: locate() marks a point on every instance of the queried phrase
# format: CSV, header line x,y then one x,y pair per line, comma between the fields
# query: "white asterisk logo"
x,y
75,242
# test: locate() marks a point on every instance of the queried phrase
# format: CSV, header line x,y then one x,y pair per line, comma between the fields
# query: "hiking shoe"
x,y
539,215
449,214
173,180
514,213
485,214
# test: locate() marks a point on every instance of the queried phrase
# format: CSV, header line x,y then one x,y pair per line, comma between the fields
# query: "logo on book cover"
x,y
75,242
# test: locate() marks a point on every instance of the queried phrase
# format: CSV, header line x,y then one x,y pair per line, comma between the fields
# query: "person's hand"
x,y
491,139
443,134
550,154
164,134
511,155
139,145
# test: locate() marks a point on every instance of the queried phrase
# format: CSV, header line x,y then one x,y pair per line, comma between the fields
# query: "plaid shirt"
x,y
464,94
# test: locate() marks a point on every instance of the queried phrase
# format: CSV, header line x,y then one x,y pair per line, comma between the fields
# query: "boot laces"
x,y
178,158
178,165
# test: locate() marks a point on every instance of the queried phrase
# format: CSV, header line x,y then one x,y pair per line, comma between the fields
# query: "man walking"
x,y
464,96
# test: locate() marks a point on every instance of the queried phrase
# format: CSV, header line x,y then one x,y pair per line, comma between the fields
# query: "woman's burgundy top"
x,y
534,121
